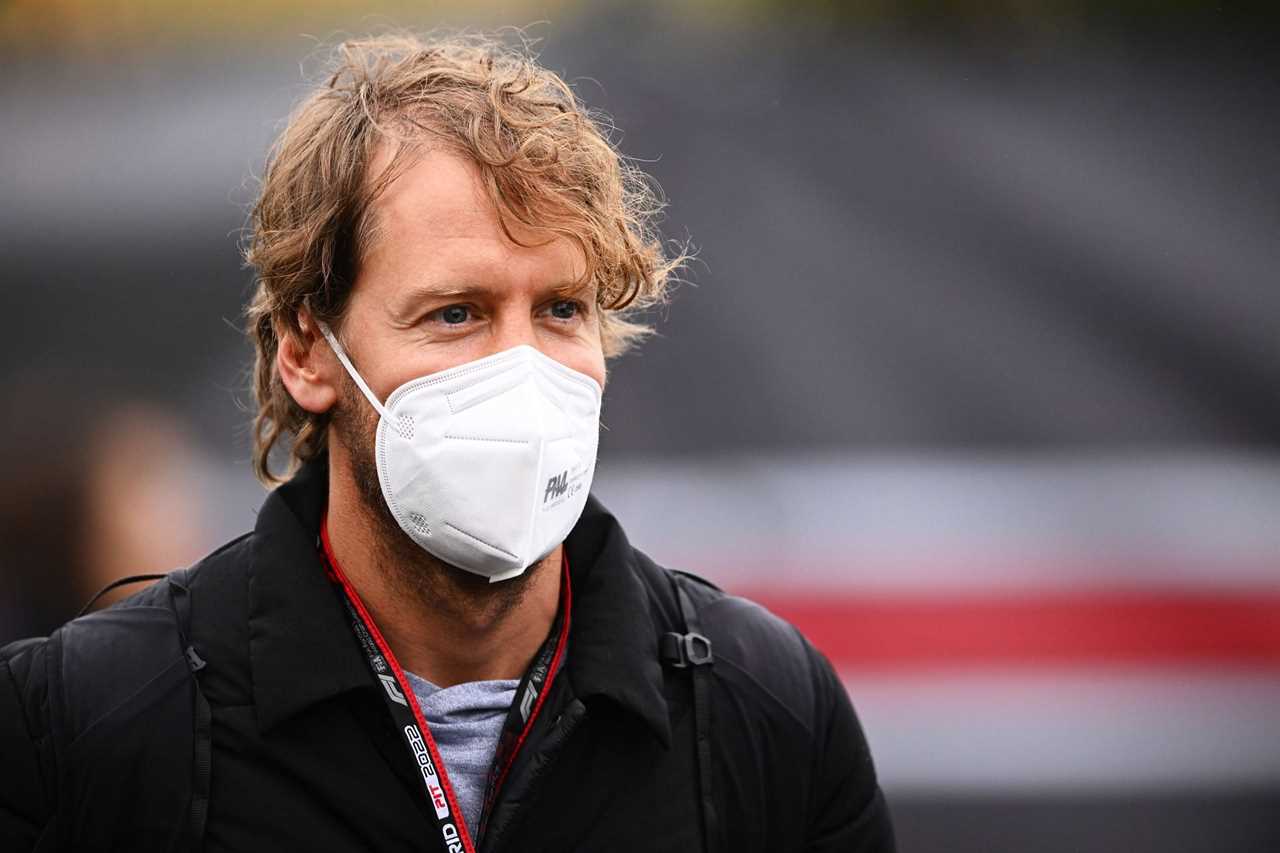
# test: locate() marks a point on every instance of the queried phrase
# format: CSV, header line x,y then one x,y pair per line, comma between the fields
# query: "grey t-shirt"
x,y
466,722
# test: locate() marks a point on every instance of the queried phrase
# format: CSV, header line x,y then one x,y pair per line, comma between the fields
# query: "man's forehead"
x,y
436,223
432,189
438,190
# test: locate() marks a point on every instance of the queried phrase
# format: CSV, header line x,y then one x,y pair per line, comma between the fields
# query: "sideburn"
x,y
356,424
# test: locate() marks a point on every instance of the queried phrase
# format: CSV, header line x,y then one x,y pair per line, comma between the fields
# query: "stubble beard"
x,y
409,569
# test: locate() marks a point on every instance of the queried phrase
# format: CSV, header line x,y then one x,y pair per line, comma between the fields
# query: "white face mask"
x,y
487,465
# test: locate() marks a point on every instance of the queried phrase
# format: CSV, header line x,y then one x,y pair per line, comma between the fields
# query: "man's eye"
x,y
455,314
564,309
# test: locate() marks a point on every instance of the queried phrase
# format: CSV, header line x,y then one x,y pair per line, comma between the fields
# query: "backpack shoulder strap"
x,y
202,732
692,650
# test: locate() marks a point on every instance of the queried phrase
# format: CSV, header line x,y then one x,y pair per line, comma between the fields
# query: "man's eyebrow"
x,y
423,292
411,299
575,288
414,296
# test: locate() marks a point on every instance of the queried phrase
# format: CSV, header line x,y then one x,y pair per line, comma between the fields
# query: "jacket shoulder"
x,y
112,660
101,706
26,795
756,654
753,646
92,662
783,714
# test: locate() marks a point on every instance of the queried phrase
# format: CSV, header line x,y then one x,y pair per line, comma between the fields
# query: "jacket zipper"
x,y
566,724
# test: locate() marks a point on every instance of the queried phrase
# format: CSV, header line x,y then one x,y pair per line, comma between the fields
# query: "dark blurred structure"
x,y
986,310
96,488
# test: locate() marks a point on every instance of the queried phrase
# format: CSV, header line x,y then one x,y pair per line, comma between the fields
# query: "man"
x,y
434,639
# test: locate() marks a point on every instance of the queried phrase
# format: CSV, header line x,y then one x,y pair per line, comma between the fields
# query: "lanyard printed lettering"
x,y
408,718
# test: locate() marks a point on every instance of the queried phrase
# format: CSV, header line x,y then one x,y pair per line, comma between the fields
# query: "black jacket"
x,y
104,726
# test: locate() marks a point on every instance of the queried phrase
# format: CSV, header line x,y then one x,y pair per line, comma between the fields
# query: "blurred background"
x,y
977,381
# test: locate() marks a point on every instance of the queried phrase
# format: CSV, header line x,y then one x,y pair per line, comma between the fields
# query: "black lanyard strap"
x,y
407,714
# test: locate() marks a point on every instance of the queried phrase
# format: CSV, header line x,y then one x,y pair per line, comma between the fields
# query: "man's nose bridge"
x,y
514,327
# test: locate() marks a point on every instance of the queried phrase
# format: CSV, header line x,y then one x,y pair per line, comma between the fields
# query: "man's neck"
x,y
443,624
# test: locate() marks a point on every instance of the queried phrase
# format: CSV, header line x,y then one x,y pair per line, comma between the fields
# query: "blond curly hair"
x,y
545,161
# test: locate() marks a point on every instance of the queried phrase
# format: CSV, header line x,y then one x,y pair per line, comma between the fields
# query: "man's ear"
x,y
308,368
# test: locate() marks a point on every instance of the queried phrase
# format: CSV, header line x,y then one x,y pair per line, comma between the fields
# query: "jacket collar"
x,y
300,642
302,650
613,641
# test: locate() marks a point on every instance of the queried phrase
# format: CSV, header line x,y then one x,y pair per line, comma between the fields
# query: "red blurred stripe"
x,y
1035,629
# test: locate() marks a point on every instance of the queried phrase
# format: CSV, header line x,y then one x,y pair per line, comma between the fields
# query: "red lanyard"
x,y
403,704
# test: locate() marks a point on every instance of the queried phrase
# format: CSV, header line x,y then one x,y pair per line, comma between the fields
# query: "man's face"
x,y
442,284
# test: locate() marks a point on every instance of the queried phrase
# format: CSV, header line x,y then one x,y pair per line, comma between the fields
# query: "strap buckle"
x,y
684,650
194,660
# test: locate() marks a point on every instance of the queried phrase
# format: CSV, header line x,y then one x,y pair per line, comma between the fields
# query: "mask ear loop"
x,y
351,371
